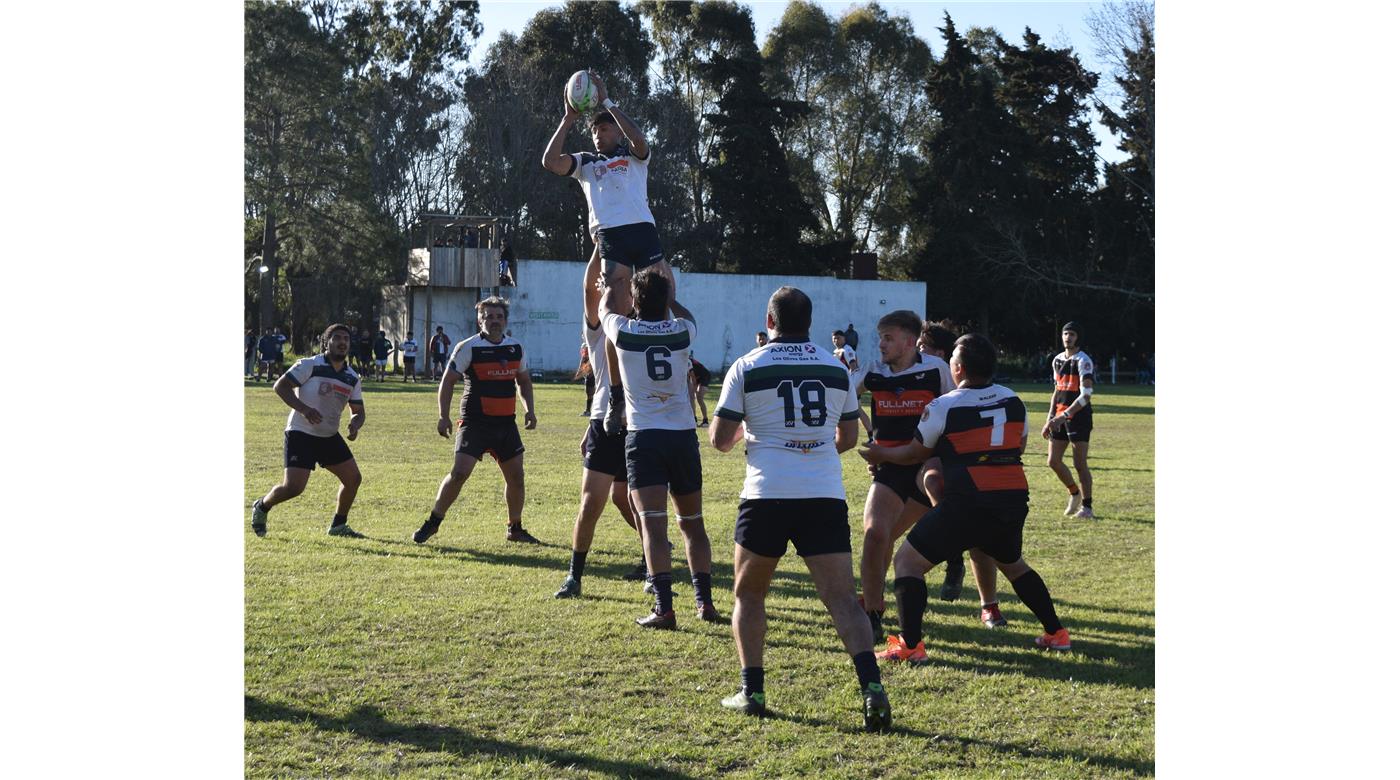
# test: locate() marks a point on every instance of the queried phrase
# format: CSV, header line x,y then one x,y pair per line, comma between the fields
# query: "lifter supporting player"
x,y
791,404
604,464
1071,420
663,453
614,182
492,364
979,433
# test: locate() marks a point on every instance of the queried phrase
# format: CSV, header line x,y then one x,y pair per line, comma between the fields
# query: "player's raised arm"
x,y
554,160
591,292
635,139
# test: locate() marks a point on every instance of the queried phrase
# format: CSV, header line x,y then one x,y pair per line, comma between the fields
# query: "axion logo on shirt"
x,y
803,447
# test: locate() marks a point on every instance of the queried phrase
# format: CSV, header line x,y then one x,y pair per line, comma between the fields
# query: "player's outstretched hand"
x,y
602,88
570,113
312,414
530,421
444,427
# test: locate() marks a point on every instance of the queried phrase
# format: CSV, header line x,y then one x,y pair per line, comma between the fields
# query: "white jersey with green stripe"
x,y
790,395
654,359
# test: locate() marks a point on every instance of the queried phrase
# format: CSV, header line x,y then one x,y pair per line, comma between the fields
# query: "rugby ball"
x,y
581,92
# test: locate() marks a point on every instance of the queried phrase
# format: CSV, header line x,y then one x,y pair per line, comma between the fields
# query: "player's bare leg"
x,y
513,471
1033,593
594,493
650,505
292,485
882,510
753,574
691,520
349,475
1056,462
451,486
831,573
1086,480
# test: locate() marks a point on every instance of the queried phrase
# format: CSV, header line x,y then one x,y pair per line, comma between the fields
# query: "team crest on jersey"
x,y
809,349
660,397
599,171
924,416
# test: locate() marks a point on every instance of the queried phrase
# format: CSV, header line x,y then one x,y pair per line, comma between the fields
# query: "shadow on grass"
x,y
369,723
1137,767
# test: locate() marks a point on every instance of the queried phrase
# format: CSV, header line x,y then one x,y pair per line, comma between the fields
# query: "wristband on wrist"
x,y
609,104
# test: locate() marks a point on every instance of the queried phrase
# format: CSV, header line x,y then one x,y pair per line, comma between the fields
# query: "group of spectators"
x,y
369,354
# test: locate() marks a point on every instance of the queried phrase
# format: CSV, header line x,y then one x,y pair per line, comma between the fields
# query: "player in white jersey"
x,y
792,404
614,182
662,452
604,465
318,389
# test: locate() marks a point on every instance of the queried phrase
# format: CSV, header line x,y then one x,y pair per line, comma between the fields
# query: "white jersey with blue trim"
x,y
654,360
322,387
615,187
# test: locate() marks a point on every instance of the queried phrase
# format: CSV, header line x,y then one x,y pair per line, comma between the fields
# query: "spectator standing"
x,y
410,357
438,347
382,348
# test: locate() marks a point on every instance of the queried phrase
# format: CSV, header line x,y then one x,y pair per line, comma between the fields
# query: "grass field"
x,y
380,657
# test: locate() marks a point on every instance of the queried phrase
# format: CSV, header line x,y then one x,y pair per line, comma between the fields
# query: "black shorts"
x,y
661,457
637,245
301,450
815,526
605,453
960,523
702,375
501,439
440,360
1077,429
409,361
903,480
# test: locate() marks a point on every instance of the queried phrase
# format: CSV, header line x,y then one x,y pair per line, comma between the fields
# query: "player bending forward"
x,y
979,433
791,404
318,390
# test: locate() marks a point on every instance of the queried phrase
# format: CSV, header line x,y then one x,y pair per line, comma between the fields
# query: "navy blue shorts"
x,y
637,245
661,457
815,526
605,453
301,450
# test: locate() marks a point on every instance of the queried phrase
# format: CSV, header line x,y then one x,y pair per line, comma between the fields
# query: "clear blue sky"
x,y
1059,23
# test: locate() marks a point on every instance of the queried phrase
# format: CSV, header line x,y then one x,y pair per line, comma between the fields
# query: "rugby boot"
x,y
709,614
877,707
517,533
424,533
1075,499
897,651
747,703
1056,641
571,589
991,617
953,580
259,518
344,530
654,619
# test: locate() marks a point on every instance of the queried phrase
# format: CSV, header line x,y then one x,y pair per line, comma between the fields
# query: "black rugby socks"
x,y
752,679
339,520
576,564
701,581
911,597
1033,593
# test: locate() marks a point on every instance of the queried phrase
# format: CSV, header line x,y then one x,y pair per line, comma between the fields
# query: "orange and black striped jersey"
x,y
897,399
489,372
977,432
1069,370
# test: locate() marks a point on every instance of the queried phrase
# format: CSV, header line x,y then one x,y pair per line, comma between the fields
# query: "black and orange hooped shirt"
x,y
489,371
1069,370
897,399
977,433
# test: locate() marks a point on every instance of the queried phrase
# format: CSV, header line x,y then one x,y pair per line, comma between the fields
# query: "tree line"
x,y
969,164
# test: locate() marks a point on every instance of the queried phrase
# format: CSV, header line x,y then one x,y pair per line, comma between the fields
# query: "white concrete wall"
x,y
547,311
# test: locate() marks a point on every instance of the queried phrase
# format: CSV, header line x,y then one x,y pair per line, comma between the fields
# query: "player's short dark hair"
x,y
497,301
603,118
330,329
840,333
1074,326
939,336
651,291
905,320
791,311
979,356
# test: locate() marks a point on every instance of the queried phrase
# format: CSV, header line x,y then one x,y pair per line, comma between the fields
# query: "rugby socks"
x,y
662,583
258,505
877,624
701,581
433,521
867,671
752,678
339,520
576,564
1033,593
1088,503
911,596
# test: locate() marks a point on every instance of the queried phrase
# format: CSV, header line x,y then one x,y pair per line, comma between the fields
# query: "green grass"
x,y
380,657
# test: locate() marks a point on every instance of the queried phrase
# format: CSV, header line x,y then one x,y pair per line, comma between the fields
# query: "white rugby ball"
x,y
583,95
